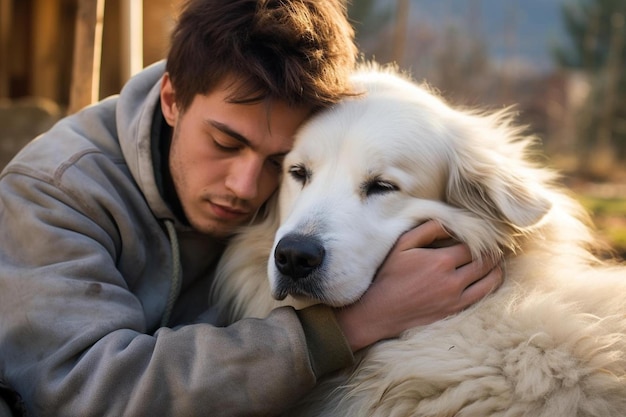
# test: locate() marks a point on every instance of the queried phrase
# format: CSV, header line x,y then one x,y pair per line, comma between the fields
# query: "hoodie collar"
x,y
136,113
161,140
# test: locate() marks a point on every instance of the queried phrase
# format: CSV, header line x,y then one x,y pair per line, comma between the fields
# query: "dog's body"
x,y
550,342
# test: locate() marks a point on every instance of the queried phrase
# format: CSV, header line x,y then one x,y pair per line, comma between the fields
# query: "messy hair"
x,y
297,51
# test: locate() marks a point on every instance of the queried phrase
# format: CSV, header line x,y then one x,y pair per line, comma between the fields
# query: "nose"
x,y
243,178
296,256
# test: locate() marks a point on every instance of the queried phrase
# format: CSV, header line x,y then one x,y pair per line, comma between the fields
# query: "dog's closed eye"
x,y
300,173
378,186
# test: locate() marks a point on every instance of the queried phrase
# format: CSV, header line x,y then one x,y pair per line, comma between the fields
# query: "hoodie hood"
x,y
136,106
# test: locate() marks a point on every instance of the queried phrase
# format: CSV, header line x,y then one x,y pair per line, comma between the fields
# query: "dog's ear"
x,y
491,175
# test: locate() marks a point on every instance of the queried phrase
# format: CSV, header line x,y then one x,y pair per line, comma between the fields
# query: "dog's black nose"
x,y
296,256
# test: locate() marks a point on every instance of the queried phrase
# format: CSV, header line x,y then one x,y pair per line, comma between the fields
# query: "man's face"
x,y
225,158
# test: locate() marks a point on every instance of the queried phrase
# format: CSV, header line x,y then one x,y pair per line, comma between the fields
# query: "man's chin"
x,y
217,229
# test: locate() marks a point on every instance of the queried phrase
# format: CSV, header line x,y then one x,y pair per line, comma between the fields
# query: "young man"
x,y
112,223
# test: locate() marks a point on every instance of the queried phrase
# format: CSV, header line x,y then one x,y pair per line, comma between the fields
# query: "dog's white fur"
x,y
550,342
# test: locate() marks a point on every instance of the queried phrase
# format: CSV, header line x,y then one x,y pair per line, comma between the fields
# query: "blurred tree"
x,y
597,48
369,14
370,18
462,69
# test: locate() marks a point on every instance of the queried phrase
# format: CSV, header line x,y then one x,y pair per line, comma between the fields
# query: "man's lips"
x,y
228,212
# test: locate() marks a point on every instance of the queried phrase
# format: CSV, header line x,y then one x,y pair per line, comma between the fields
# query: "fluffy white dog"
x,y
550,342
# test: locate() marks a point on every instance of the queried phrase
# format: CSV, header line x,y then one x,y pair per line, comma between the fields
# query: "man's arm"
x,y
75,331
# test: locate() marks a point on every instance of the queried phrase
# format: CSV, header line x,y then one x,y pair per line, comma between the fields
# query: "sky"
x,y
524,31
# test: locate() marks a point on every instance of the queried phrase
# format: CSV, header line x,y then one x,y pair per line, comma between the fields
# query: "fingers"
x,y
484,285
458,256
474,270
468,280
422,236
430,235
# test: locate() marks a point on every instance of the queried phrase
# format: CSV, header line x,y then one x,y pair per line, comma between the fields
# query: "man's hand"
x,y
418,285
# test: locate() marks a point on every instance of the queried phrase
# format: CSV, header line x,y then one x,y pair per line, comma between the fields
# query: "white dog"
x,y
550,342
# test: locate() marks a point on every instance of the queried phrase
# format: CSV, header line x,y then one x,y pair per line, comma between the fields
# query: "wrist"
x,y
357,335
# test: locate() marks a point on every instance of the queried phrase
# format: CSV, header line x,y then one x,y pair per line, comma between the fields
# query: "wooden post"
x,y
6,16
402,23
45,49
131,27
87,54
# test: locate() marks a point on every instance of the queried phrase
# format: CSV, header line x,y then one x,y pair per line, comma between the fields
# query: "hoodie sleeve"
x,y
75,331
328,348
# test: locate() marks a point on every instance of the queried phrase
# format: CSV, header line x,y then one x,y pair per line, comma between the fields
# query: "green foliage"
x,y
605,206
588,23
609,215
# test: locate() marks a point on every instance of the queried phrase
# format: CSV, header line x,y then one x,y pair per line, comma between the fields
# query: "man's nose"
x,y
244,176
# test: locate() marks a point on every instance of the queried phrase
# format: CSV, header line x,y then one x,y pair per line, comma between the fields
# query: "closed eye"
x,y
226,148
378,186
300,173
277,163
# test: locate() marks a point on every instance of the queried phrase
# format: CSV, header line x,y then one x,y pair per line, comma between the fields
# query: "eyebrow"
x,y
230,132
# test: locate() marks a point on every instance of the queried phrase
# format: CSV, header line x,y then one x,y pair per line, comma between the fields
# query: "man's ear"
x,y
168,101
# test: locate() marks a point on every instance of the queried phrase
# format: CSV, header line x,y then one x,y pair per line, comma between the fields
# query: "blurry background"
x,y
561,63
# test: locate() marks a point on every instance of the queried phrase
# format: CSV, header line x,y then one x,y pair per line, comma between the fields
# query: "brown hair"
x,y
297,51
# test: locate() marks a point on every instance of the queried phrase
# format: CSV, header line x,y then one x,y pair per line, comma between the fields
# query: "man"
x,y
112,223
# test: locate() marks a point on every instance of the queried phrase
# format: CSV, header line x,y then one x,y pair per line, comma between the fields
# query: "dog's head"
x,y
372,167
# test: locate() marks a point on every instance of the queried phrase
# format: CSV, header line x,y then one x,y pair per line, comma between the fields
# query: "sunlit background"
x,y
561,63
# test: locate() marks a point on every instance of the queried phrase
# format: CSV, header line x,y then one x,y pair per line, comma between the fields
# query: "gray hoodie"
x,y
89,255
